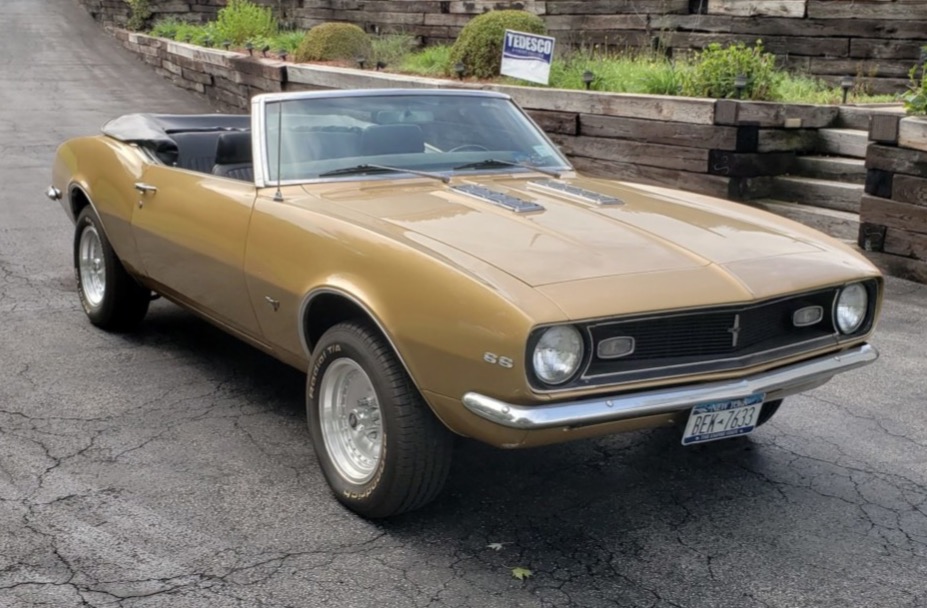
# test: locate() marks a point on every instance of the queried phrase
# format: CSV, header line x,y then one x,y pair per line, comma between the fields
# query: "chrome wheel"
x,y
349,414
92,266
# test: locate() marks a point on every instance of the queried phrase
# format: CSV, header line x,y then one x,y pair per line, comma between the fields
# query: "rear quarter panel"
x,y
104,171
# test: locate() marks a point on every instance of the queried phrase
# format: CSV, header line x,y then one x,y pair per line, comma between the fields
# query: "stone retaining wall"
x,y
722,148
877,41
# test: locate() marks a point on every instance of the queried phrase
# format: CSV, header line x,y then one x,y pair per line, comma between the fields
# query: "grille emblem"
x,y
735,331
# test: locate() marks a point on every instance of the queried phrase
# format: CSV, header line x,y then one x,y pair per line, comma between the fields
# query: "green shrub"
x,y
332,41
479,46
242,20
915,100
139,13
715,69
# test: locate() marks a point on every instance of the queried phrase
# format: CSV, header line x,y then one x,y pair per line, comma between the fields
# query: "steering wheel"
x,y
470,148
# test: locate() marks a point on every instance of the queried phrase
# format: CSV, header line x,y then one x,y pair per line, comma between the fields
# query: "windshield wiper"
x,y
495,162
367,168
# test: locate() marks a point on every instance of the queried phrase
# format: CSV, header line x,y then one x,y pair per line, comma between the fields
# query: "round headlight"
x,y
558,354
852,306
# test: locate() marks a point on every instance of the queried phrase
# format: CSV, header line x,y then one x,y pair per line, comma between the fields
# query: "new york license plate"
x,y
722,419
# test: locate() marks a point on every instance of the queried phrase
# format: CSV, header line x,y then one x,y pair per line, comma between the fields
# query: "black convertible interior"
x,y
209,143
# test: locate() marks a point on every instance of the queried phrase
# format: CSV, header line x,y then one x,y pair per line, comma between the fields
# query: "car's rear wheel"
x,y
380,448
112,299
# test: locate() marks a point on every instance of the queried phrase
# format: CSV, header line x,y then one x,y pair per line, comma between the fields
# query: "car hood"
x,y
572,243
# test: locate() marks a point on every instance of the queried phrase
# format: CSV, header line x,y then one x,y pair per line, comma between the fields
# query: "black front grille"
x,y
711,335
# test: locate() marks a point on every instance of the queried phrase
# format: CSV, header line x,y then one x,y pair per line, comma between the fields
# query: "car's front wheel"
x,y
111,298
380,448
768,410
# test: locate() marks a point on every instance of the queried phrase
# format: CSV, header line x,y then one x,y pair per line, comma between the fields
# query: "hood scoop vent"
x,y
507,201
575,191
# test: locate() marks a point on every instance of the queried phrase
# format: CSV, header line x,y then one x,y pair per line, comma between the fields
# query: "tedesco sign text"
x,y
527,56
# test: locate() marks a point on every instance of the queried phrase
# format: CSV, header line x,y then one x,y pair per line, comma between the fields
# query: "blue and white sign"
x,y
527,56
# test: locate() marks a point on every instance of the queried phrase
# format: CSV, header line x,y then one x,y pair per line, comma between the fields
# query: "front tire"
x,y
380,448
112,299
768,410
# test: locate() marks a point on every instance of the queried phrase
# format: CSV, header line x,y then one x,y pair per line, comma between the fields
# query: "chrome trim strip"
x,y
590,196
776,384
500,199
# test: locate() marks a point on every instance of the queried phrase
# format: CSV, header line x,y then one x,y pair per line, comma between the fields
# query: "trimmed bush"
x,y
333,41
479,46
715,70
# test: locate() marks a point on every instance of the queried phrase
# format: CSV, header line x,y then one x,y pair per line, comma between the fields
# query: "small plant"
x,y
139,13
333,41
242,20
430,61
716,69
915,100
479,45
391,49
167,28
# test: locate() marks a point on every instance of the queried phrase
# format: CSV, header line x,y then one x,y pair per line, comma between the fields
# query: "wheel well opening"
x,y
78,200
329,309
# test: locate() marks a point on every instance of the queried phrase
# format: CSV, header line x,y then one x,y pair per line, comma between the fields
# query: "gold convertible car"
x,y
438,268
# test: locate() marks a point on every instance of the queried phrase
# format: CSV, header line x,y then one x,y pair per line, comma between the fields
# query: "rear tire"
x,y
112,299
381,449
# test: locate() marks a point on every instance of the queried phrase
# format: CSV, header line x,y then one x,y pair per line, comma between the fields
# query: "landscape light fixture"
x,y
588,78
207,41
846,83
250,47
460,69
282,53
361,61
740,83
381,65
227,44
264,49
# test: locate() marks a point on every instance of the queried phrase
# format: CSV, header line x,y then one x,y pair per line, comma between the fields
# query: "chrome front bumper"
x,y
776,384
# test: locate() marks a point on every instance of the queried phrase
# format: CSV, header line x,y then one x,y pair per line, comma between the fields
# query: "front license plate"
x,y
722,419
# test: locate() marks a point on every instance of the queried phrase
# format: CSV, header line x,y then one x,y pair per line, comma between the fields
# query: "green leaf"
x,y
522,573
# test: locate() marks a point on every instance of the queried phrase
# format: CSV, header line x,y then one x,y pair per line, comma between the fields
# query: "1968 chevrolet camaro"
x,y
438,268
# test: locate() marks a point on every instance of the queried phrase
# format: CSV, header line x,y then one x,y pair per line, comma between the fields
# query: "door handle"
x,y
143,187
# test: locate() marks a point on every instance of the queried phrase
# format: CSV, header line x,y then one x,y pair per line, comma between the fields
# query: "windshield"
x,y
328,136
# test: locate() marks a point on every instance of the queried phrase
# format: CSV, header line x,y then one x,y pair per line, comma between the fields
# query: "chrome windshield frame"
x,y
264,175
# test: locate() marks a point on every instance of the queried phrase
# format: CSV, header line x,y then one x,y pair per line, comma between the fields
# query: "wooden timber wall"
x,y
875,40
722,148
893,212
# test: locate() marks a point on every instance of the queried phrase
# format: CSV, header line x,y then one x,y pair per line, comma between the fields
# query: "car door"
x,y
191,229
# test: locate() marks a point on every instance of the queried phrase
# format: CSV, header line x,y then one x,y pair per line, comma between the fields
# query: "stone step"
x,y
838,224
817,192
843,142
835,168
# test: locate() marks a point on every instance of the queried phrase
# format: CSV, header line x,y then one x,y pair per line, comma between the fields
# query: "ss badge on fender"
x,y
495,359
